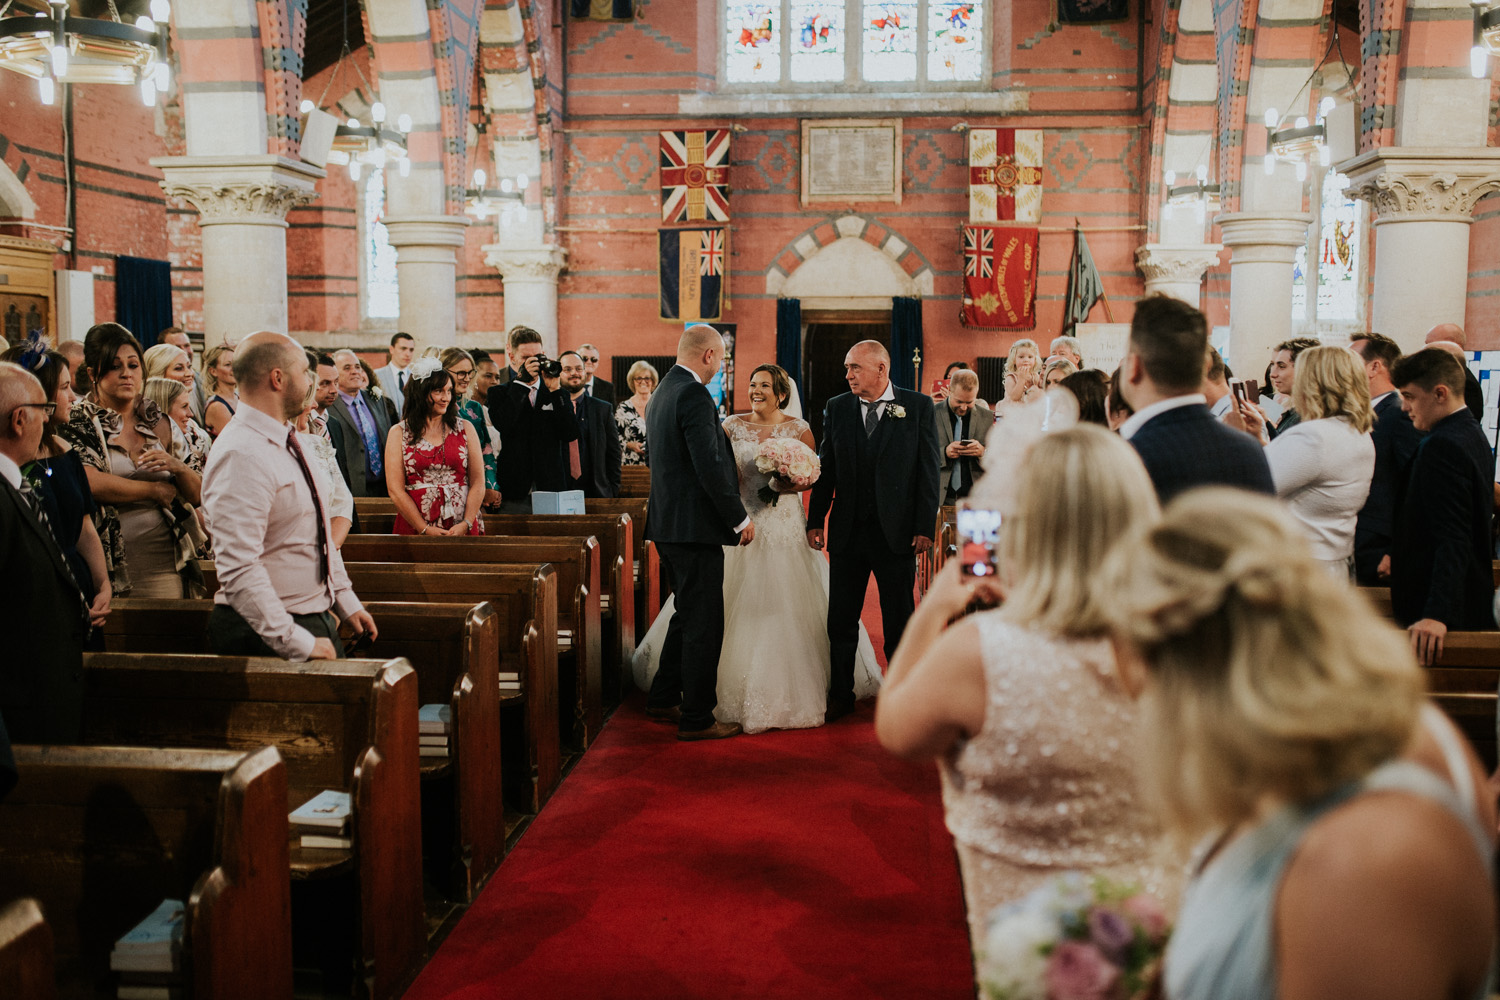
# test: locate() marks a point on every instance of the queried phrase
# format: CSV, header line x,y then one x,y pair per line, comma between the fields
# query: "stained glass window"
x,y
890,41
382,299
817,42
955,41
1299,286
1338,254
753,43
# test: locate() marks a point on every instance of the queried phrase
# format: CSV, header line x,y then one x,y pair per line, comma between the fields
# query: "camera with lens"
x,y
548,367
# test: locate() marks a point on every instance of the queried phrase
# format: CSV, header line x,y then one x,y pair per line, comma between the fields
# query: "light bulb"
x,y
1302,122
479,179
1301,171
521,213
45,89
353,123
1171,177
522,181
145,23
377,112
1325,156
1200,211
354,169
59,61
376,158
1166,210
161,11
1479,62
1272,118
1270,164
404,167
1325,107
1201,173
306,106
404,123
507,185
163,77
148,92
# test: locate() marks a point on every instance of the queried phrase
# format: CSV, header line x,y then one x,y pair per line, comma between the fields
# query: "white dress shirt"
x,y
1138,419
265,538
11,471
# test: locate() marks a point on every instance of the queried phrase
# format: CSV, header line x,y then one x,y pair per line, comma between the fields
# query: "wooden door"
x,y
825,342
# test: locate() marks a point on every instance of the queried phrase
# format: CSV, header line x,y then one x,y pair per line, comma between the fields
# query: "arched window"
x,y
380,301
1332,262
855,44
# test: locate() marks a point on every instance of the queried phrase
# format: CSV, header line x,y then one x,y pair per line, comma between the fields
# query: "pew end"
x,y
26,953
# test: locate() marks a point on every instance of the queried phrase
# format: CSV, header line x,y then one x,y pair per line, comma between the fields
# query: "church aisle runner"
x,y
805,864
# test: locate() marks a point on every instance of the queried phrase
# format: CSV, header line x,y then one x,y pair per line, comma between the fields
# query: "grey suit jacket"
x,y
981,420
391,386
353,462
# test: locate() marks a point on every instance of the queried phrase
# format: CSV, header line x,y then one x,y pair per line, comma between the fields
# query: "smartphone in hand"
x,y
978,539
1240,391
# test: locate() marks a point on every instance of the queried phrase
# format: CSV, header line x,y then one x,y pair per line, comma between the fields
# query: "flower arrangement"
x,y
787,459
1075,938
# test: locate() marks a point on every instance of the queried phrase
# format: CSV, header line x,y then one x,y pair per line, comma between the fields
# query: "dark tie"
x,y
401,381
33,498
312,487
872,417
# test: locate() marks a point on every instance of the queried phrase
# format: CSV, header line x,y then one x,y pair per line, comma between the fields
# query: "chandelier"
x,y
507,202
1200,194
356,144
56,47
1486,38
1299,143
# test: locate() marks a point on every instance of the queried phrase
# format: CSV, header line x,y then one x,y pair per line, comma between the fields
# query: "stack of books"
x,y
323,821
434,726
510,682
149,958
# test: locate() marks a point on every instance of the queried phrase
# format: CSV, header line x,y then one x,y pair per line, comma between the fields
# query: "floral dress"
x,y
632,428
437,480
474,414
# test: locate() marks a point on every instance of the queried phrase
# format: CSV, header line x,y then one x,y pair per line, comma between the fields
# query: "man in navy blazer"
x,y
695,511
880,463
1179,441
1441,576
1396,441
598,434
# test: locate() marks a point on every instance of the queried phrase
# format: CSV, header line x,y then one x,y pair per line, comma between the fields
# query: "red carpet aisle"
x,y
802,864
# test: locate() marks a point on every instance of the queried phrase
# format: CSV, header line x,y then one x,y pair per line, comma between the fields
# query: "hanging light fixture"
x,y
356,144
1299,143
1200,195
1486,38
507,202
58,47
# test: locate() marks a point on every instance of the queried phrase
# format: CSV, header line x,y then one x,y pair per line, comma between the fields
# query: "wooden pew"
x,y
648,585
26,953
348,725
635,481
577,560
455,649
1473,712
101,835
520,595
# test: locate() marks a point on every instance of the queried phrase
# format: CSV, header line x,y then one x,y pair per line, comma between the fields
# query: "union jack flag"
x,y
695,175
711,262
979,252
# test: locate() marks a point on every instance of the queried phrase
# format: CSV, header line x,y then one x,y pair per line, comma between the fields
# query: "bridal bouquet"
x,y
1074,938
787,459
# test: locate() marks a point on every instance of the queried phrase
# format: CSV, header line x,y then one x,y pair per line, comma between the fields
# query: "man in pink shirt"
x,y
281,581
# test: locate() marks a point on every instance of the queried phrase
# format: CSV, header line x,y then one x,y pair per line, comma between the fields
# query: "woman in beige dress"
x,y
1022,705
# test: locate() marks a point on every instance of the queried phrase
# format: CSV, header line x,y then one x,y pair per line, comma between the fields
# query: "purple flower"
x,y
1079,971
1111,932
1147,911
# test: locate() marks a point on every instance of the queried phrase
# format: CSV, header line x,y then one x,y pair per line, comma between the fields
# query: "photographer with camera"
x,y
534,416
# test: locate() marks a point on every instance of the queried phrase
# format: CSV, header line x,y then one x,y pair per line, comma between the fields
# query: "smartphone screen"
x,y
1240,390
940,385
978,537
1252,389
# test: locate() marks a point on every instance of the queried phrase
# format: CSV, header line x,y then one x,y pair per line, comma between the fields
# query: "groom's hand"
x,y
921,543
748,535
815,537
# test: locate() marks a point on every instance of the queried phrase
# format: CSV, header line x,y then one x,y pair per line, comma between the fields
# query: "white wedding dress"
x,y
774,664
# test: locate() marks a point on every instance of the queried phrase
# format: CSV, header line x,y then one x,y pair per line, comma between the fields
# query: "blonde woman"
x,y
1323,463
190,443
1346,828
630,416
1023,381
1058,369
218,365
167,361
1022,705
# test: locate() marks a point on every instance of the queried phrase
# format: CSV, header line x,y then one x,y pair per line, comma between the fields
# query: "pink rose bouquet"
x,y
1075,938
786,459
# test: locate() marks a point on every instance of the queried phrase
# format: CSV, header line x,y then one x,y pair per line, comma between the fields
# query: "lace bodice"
x,y
782,524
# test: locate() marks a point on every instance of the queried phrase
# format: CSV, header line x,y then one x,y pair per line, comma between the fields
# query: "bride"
x,y
773,670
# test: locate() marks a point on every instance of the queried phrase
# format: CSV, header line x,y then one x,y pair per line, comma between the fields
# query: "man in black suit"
x,y
41,672
363,425
695,511
880,463
535,419
1441,576
1179,441
597,387
1396,442
1451,338
598,436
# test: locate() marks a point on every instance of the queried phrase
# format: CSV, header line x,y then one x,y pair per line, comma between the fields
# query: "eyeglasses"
x,y
645,378
47,408
462,374
591,361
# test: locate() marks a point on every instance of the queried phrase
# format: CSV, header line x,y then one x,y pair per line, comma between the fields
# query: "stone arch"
x,y
222,76
860,240
515,115
1182,135
400,38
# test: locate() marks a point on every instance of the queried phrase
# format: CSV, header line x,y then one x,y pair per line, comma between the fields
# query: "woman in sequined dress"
x,y
1022,705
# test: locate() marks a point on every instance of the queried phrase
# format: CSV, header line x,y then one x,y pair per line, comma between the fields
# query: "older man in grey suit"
x,y
363,426
963,426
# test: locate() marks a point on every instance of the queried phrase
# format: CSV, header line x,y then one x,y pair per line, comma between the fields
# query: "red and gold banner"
x,y
1005,175
1000,268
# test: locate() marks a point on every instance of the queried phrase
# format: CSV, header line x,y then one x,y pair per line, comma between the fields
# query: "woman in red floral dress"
x,y
434,468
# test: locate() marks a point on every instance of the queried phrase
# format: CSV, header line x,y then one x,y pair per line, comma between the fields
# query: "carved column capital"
x,y
1423,185
1173,262
239,190
543,263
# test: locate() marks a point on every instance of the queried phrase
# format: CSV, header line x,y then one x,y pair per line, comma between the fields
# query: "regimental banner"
x,y
1000,268
695,176
1005,175
693,269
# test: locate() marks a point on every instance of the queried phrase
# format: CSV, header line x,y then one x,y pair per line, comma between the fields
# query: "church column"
x,y
242,203
1423,201
427,274
530,275
1177,269
1263,246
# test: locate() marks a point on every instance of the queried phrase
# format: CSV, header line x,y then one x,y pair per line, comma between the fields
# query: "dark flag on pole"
x,y
1085,287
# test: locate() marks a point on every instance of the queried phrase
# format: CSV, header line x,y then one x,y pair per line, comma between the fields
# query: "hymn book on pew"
x,y
149,957
323,820
434,724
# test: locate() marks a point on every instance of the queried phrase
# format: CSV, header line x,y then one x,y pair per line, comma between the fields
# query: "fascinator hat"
x,y
34,357
425,368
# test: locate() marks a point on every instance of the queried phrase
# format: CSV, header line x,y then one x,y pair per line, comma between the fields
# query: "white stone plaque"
x,y
856,159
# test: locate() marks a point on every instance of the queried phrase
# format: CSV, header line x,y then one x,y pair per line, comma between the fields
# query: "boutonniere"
x,y
898,412
376,391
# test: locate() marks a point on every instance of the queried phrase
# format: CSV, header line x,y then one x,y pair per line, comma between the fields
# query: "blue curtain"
x,y
789,339
143,297
906,337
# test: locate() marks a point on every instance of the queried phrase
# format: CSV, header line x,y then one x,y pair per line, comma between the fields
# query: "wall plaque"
x,y
855,159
